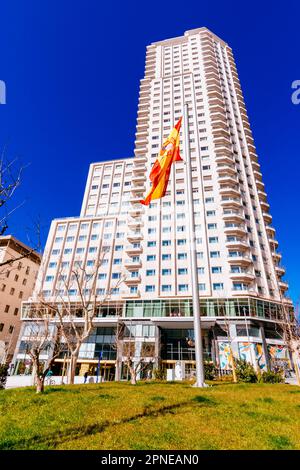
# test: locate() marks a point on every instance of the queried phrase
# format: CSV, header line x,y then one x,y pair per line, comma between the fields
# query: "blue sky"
x,y
72,71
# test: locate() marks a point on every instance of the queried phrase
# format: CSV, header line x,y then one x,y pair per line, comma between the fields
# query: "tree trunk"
x,y
40,384
72,366
132,377
296,366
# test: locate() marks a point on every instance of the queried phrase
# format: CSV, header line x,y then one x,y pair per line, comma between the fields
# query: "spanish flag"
x,y
160,171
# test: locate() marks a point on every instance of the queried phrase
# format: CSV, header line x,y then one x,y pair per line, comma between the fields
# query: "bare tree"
x,y
76,318
44,337
126,352
10,180
290,332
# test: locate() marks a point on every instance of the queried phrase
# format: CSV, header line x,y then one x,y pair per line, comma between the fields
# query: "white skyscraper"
x,y
146,270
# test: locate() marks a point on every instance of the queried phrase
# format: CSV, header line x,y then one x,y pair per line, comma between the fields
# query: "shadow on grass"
x,y
280,443
52,440
201,399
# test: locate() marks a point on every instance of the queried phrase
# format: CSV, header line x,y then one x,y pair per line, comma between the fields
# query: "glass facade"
x,y
239,307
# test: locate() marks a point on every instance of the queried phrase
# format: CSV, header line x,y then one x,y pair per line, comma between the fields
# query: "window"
x,y
200,270
21,294
201,286
150,272
16,277
49,278
6,308
12,291
215,254
213,239
166,288
16,311
151,257
150,288
3,287
211,226
181,242
102,276
216,269
166,242
152,243
11,329
183,287
1,326
182,271
166,272
182,256
166,256
218,286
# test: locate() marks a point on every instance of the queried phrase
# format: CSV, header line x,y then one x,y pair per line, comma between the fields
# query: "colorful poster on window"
x,y
253,353
247,352
278,352
224,355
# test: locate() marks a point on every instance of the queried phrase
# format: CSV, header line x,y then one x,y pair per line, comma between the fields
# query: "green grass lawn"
x,y
151,416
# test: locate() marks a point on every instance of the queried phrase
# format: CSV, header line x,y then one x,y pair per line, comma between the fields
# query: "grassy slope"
x,y
151,416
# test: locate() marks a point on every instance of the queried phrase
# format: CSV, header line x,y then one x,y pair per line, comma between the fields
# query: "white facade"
x,y
147,249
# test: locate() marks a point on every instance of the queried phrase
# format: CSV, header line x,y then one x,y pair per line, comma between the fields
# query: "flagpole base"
x,y
201,385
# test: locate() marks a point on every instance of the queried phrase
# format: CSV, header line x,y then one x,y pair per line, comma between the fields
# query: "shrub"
x,y
3,375
209,371
271,377
159,374
245,371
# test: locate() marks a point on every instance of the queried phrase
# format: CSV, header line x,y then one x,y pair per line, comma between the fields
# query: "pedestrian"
x,y
85,377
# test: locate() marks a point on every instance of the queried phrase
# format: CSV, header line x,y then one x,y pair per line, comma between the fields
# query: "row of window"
x,y
149,288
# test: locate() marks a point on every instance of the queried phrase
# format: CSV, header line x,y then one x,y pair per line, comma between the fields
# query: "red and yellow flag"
x,y
160,172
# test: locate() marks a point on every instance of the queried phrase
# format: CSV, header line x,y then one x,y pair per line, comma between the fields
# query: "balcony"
x,y
138,189
229,191
280,270
244,276
132,264
136,199
138,179
273,242
240,259
276,256
229,179
131,295
140,151
136,211
239,230
270,229
267,217
135,223
138,169
265,206
231,202
226,170
239,244
132,280
283,285
234,216
224,159
262,195
134,236
134,250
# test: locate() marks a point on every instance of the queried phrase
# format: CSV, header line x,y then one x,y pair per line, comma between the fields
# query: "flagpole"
x,y
193,256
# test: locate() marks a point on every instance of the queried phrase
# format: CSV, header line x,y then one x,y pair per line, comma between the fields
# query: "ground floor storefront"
x,y
168,343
